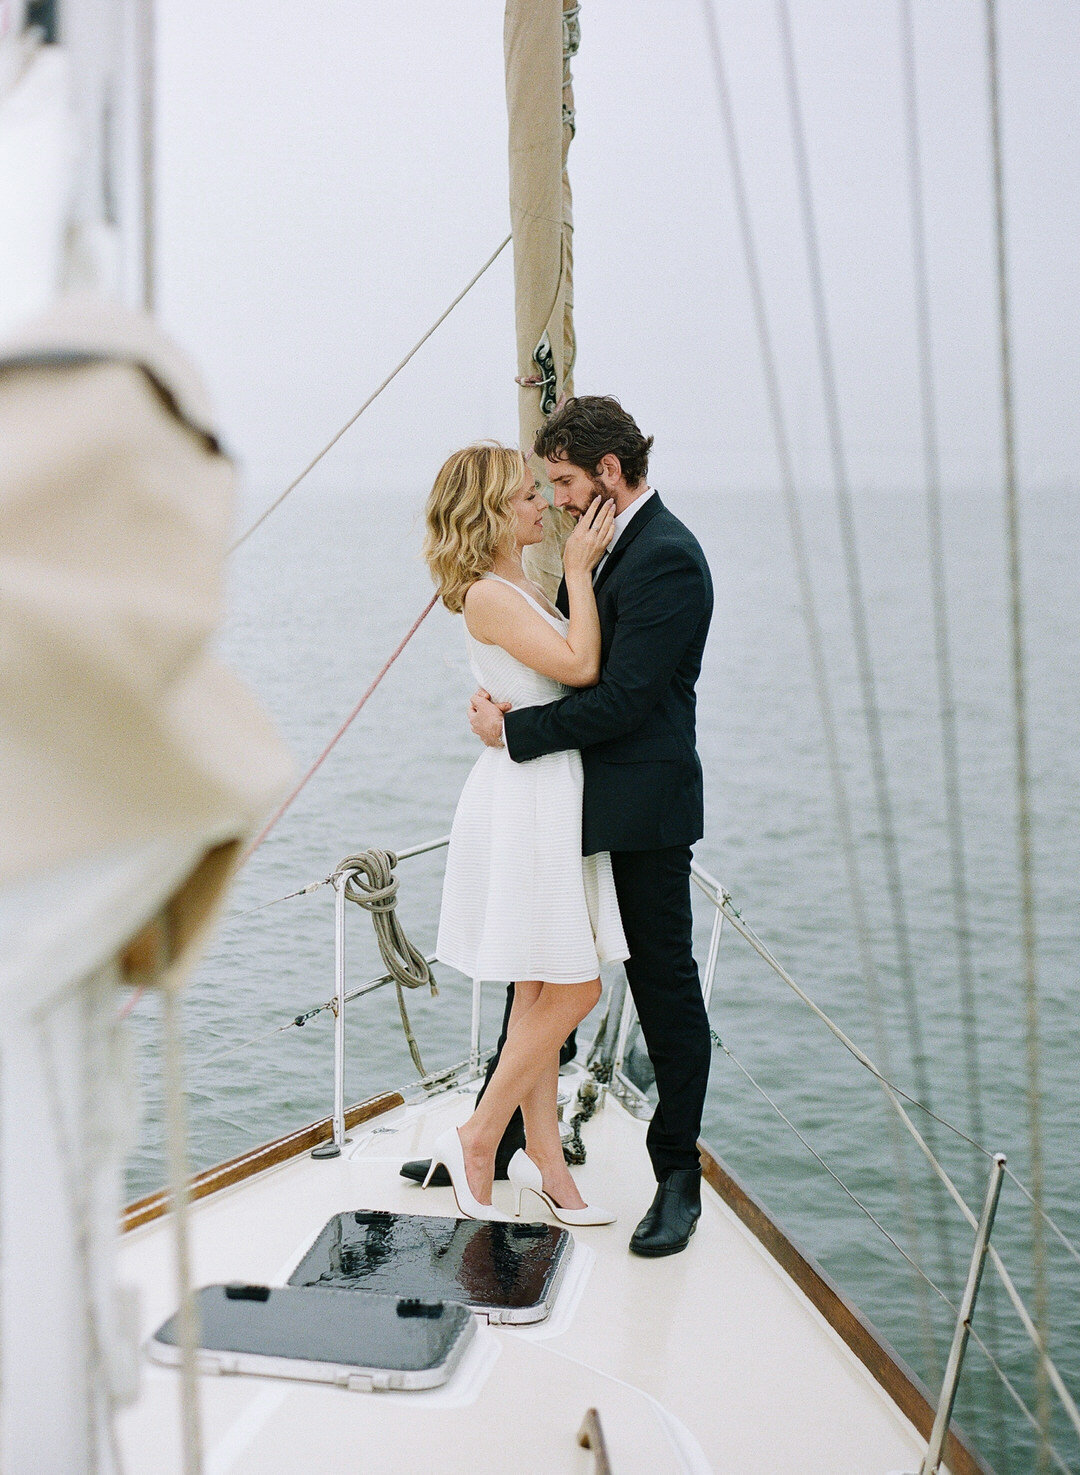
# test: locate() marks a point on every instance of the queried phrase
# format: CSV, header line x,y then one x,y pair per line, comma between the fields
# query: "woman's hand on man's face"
x,y
589,541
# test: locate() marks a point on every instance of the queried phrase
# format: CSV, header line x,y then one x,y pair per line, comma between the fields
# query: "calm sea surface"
x,y
323,592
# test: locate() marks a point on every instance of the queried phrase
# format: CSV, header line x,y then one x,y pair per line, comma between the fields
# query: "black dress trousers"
x,y
653,887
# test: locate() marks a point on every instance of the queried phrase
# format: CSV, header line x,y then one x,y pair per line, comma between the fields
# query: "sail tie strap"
x,y
370,882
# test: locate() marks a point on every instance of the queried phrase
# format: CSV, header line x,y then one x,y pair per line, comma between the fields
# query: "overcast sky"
x,y
333,171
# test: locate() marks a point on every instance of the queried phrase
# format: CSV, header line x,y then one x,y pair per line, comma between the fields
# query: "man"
x,y
643,789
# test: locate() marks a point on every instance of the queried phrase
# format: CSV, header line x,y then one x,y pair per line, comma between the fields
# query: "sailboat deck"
x,y
711,1360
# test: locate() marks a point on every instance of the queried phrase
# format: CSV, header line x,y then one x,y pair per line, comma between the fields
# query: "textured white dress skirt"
x,y
519,900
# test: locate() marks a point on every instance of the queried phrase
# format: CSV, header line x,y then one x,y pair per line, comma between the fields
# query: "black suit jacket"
x,y
636,727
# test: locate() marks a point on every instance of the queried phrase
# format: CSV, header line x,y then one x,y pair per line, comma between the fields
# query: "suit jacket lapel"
x,y
637,522
562,601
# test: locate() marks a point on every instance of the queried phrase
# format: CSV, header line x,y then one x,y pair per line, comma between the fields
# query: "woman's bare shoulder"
x,y
487,597
483,594
486,605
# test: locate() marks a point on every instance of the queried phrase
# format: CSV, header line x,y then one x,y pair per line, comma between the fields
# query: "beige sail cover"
x,y
117,727
540,37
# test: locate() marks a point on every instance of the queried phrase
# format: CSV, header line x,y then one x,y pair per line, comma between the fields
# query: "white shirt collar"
x,y
622,519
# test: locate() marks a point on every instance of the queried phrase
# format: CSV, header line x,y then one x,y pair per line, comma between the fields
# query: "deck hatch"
x,y
369,1341
506,1272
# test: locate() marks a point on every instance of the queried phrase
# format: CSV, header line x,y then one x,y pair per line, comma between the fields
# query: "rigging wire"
x,y
857,602
469,285
138,993
950,754
939,594
130,1003
1019,695
842,812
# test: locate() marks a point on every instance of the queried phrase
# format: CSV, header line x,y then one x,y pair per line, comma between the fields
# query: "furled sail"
x,y
131,767
540,38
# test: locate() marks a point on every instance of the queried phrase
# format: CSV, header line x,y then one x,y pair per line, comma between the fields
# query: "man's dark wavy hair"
x,y
593,426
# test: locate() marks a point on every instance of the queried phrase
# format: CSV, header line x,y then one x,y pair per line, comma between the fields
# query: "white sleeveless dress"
x,y
519,900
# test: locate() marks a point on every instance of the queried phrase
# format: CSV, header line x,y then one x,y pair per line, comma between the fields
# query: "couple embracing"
x,y
571,842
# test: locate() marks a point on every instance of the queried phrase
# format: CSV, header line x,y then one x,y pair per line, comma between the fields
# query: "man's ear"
x,y
610,469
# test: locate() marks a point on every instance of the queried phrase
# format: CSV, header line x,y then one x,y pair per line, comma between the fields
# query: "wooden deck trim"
x,y
902,1385
269,1155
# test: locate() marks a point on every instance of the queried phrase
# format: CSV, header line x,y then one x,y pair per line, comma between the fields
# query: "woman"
x,y
519,900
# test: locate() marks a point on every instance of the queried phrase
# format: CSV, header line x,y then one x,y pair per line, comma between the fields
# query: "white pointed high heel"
x,y
525,1175
448,1151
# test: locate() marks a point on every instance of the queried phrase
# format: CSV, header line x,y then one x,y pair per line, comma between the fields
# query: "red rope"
x,y
126,1008
339,734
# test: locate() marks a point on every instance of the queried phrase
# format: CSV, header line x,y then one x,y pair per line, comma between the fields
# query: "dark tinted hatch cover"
x,y
381,1332
508,1271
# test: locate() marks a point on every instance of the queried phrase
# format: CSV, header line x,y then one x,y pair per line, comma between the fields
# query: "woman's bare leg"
x,y
526,994
540,1108
533,1042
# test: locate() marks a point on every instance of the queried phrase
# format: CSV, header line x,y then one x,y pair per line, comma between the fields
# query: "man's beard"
x,y
601,490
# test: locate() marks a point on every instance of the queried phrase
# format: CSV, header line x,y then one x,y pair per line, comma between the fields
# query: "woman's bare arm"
x,y
498,615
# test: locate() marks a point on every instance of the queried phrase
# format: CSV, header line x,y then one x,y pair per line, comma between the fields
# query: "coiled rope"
x,y
370,882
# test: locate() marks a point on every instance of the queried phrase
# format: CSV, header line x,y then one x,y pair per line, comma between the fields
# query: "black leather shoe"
x,y
417,1169
672,1216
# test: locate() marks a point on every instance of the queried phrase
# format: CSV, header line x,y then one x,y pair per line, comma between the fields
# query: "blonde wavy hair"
x,y
469,517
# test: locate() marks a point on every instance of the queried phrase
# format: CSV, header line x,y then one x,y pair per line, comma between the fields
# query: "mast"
x,y
540,37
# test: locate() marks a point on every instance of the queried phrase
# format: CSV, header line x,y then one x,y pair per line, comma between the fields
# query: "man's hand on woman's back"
x,y
486,718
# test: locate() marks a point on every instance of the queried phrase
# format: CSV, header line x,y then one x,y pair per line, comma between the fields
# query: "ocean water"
x,y
323,592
